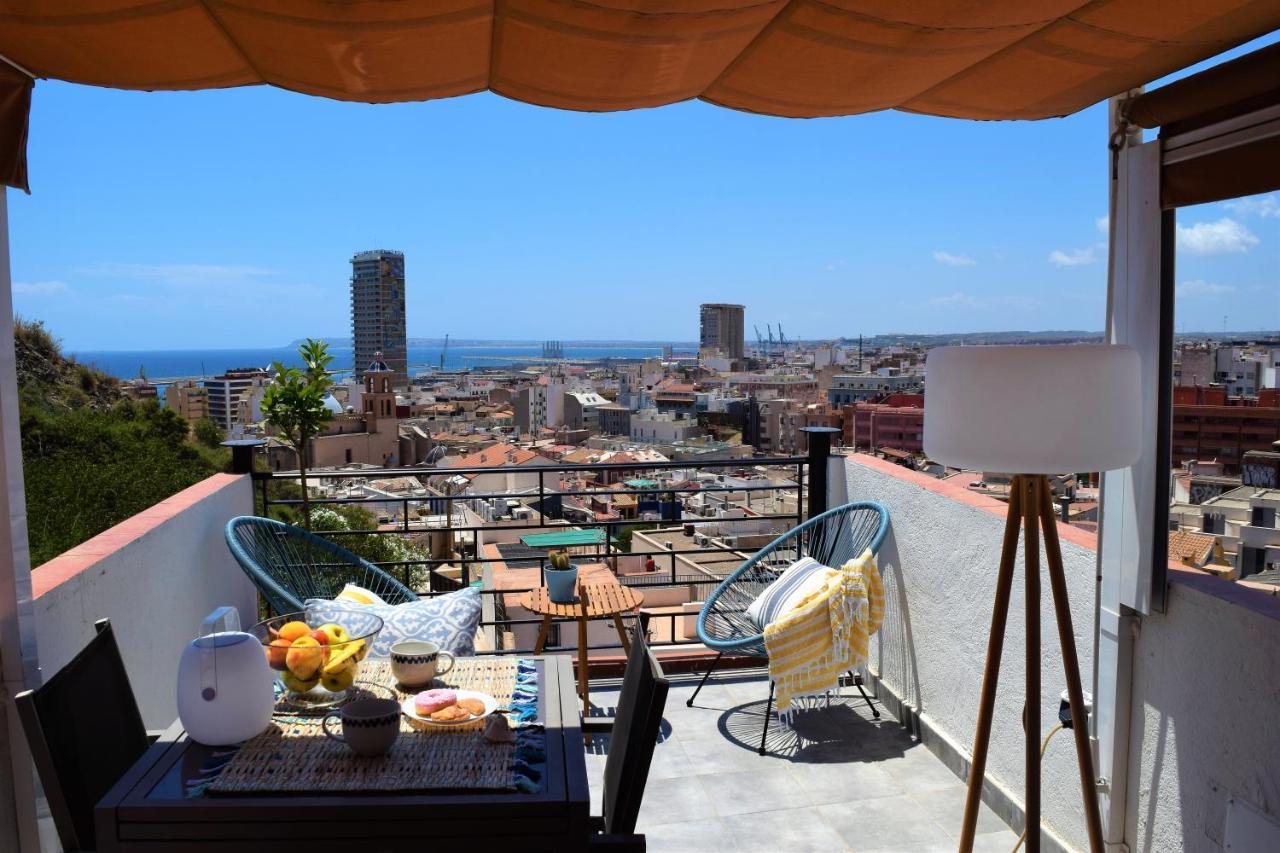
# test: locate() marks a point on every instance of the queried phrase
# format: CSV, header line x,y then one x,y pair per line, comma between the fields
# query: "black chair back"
x,y
85,732
635,734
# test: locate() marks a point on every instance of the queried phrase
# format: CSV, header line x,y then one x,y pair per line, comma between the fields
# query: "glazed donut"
x,y
430,701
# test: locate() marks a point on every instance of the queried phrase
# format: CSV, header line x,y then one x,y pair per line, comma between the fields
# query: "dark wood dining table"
x,y
148,809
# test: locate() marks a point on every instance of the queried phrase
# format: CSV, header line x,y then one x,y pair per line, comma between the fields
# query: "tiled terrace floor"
x,y
840,781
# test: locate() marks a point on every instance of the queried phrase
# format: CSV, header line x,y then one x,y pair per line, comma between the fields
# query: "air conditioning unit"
x,y
729,541
702,539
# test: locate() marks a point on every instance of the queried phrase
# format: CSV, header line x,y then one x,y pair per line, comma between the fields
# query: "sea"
x,y
167,365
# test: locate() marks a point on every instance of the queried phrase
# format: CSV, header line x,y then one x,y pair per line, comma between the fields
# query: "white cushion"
x,y
798,580
449,620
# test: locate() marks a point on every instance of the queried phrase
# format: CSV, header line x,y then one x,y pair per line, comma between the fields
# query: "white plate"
x,y
490,705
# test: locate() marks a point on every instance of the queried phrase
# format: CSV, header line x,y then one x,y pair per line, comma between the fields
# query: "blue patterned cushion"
x,y
449,620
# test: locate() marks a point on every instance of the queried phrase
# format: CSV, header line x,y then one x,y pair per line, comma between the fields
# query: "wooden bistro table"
x,y
595,601
149,810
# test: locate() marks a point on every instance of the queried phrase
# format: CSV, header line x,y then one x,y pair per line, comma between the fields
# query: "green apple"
x,y
336,682
297,685
336,633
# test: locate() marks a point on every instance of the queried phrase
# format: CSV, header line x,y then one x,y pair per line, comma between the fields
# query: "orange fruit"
x,y
293,630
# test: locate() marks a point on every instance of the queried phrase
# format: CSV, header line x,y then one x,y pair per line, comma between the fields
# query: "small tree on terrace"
x,y
294,405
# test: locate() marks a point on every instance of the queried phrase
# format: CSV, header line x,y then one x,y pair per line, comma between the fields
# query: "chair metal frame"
x,y
289,565
832,538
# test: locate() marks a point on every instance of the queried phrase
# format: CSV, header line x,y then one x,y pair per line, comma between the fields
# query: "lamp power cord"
x,y
1043,746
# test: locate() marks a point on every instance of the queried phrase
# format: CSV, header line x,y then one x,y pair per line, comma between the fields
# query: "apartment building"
x,y
615,419
539,404
897,423
1208,424
850,388
378,313
721,329
1259,548
792,438
657,427
781,385
235,397
188,398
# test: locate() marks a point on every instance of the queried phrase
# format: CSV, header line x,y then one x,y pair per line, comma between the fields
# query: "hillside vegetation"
x,y
91,456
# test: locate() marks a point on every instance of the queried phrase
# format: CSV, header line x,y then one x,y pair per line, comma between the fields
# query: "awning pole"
x,y
15,66
18,663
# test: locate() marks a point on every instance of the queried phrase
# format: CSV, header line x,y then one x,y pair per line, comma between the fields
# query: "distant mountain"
x,y
1027,337
345,343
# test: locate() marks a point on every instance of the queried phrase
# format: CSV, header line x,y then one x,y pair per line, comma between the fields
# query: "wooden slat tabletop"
x,y
603,600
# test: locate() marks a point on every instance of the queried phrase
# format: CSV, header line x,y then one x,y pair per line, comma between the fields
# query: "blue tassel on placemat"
x,y
530,735
208,772
531,745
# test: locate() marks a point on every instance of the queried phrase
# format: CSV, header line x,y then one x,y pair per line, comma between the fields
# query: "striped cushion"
x,y
799,579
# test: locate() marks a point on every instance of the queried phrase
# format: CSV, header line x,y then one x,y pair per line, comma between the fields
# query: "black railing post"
x,y
819,453
242,453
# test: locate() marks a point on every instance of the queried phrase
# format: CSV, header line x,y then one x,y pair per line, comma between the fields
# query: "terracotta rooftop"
x,y
1193,549
494,457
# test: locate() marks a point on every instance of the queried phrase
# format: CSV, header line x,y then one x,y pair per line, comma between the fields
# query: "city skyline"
x,y
598,226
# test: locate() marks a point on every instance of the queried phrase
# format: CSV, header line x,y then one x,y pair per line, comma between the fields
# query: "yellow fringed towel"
x,y
826,633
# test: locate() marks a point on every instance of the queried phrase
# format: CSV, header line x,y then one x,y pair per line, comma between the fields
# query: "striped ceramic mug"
x,y
369,726
414,662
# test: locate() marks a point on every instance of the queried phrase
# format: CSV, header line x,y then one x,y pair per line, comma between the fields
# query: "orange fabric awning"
x,y
979,59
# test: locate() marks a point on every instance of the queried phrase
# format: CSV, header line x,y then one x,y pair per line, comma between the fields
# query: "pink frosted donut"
x,y
430,701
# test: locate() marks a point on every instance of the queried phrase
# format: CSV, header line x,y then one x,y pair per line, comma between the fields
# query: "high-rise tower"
x,y
721,327
377,313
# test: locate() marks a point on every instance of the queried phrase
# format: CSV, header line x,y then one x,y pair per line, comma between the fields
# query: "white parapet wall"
x,y
1206,672
1204,750
939,566
155,576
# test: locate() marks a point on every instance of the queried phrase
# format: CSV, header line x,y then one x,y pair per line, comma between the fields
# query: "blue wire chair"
x,y
832,538
289,565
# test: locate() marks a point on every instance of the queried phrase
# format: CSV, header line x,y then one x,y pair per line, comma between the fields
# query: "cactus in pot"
x,y
562,577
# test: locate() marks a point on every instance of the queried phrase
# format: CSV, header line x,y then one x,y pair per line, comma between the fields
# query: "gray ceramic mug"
x,y
415,662
369,726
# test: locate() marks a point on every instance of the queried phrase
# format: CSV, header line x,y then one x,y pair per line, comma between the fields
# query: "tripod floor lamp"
x,y
1032,411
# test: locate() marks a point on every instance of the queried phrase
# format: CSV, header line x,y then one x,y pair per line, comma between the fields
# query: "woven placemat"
x,y
294,756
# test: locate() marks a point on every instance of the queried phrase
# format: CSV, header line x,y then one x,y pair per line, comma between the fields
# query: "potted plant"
x,y
562,578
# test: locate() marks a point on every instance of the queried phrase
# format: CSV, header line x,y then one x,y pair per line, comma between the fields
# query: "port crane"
x,y
444,350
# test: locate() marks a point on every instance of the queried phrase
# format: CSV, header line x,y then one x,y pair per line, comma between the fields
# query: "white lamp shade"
x,y
1033,409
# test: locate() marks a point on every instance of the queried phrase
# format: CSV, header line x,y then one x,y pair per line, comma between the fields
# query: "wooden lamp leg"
x,y
1031,713
1031,504
1071,668
991,674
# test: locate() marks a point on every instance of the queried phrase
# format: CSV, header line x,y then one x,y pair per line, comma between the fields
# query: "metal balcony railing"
x,y
446,506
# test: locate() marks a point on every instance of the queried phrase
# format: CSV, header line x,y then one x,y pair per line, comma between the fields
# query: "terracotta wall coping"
x,y
953,489
84,556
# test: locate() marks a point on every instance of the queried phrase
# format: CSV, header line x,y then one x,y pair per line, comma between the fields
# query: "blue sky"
x,y
228,218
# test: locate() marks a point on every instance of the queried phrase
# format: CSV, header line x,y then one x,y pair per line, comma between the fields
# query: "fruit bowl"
x,y
316,664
